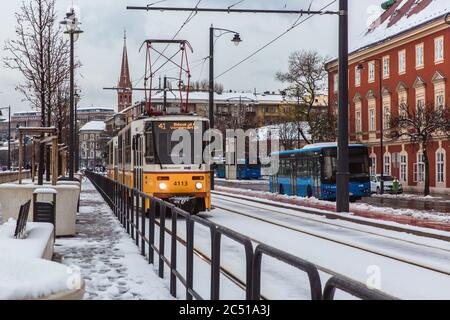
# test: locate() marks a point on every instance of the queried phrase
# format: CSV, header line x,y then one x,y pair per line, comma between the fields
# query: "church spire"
x,y
125,86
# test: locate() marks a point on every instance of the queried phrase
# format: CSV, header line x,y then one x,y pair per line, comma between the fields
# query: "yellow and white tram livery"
x,y
142,159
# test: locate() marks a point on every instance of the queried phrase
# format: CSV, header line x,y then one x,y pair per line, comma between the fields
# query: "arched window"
x,y
403,167
419,168
387,164
440,166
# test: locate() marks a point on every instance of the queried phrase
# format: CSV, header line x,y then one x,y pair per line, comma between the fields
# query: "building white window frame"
x,y
419,168
373,167
372,120
386,117
402,61
386,67
420,56
403,157
440,166
387,163
439,50
371,73
439,97
357,76
358,121
336,82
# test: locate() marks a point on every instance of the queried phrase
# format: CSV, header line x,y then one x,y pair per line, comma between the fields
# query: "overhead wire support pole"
x,y
342,175
227,10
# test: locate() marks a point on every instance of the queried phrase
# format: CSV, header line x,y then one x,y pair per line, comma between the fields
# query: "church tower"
x,y
125,92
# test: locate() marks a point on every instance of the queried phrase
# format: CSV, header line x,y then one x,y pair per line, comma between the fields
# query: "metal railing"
x,y
137,212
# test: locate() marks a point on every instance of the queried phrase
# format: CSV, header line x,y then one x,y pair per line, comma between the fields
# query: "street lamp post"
x,y
9,134
380,116
77,140
236,40
72,23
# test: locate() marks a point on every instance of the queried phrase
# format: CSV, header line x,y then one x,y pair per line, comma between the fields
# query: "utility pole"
x,y
165,93
342,175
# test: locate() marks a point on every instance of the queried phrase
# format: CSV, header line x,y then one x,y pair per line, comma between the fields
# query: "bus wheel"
x,y
309,191
281,191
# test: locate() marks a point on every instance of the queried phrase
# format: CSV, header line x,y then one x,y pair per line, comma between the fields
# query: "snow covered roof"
x,y
94,126
225,97
95,109
26,113
289,128
402,16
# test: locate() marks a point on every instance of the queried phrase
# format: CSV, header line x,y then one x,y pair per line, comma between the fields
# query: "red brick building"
x,y
410,42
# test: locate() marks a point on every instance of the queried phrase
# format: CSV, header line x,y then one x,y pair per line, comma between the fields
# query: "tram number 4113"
x,y
180,183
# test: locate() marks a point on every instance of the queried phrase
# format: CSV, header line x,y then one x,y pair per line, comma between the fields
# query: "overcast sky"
x,y
100,47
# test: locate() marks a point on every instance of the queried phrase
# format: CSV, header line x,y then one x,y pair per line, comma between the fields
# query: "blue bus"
x,y
311,172
247,171
220,169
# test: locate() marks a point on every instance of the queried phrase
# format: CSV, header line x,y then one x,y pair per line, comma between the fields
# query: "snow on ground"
x,y
399,278
408,196
413,213
109,260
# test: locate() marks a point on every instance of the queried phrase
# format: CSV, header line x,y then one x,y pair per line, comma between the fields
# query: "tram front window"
x,y
164,146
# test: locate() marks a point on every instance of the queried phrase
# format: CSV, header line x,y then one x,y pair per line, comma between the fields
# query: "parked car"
x,y
375,184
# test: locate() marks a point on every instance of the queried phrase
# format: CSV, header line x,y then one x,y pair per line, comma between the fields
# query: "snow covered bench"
x,y
26,269
38,243
38,279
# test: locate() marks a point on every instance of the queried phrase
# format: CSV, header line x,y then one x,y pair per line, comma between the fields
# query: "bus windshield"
x,y
358,165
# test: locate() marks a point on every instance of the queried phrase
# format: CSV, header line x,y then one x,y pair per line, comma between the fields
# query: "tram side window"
x,y
128,146
110,155
149,153
120,150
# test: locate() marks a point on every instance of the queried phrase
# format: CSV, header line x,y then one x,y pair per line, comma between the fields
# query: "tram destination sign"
x,y
178,125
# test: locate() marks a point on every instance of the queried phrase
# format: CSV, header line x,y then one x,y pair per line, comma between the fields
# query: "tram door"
x,y
138,159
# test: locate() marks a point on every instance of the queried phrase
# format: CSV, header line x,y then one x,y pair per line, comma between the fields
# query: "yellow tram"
x,y
140,156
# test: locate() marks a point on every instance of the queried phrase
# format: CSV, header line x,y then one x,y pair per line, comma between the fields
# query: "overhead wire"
x,y
295,25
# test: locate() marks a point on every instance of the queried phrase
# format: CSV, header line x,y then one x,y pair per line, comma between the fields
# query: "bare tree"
x,y
287,133
421,125
306,81
40,53
203,85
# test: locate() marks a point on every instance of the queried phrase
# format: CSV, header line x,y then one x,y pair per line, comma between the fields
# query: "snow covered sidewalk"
x,y
108,259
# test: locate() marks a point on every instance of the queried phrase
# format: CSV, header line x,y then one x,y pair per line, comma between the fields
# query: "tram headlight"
x,y
199,185
163,186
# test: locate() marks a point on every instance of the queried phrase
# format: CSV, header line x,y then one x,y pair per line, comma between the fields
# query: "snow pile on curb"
x,y
410,197
326,205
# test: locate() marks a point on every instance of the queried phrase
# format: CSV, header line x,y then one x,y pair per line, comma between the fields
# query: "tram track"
x,y
205,258
335,216
329,223
331,239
